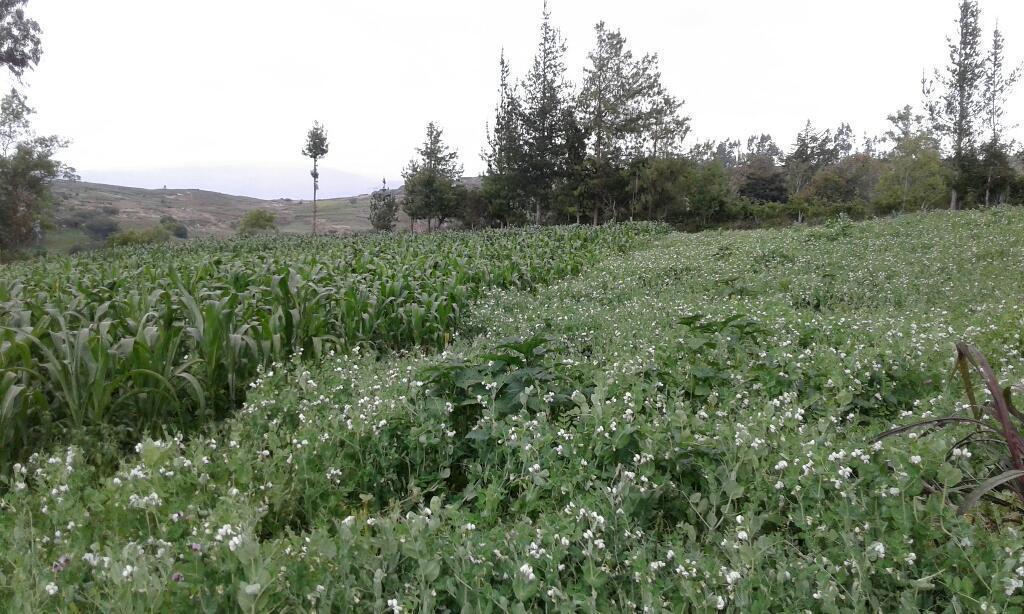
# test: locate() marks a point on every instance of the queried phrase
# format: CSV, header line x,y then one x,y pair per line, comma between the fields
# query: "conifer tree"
x,y
627,113
545,99
999,82
430,181
507,176
959,102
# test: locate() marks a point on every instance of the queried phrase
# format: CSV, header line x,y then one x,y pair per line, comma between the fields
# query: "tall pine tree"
x,y
507,178
955,109
997,86
545,100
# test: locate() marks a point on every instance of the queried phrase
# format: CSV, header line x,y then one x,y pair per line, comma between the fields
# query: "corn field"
x,y
107,347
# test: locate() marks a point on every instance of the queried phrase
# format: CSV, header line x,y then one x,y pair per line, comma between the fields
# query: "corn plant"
x,y
131,341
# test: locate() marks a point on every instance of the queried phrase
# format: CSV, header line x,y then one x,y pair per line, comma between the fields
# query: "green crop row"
x,y
104,348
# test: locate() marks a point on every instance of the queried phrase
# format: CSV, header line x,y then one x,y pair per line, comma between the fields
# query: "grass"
x,y
688,427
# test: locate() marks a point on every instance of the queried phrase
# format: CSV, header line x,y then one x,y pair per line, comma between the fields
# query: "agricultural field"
x,y
101,348
620,419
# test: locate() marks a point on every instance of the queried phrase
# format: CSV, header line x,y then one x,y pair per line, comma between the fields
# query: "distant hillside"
x,y
84,213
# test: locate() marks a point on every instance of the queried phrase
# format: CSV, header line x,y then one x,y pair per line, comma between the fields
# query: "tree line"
x,y
610,148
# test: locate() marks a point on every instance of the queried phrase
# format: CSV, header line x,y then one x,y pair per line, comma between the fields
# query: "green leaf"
x,y
972,499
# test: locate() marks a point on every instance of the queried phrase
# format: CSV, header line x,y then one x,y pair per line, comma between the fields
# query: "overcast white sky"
x,y
219,93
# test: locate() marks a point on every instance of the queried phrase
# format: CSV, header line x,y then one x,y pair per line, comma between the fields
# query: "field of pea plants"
x,y
566,419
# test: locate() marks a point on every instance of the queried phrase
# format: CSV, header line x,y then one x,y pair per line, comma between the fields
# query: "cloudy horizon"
x,y
219,95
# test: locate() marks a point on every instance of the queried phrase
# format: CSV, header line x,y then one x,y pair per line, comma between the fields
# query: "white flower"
x,y
915,460
527,572
878,548
1011,585
51,589
720,604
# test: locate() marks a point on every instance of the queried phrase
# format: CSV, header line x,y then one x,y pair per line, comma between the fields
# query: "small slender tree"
x,y
316,148
383,209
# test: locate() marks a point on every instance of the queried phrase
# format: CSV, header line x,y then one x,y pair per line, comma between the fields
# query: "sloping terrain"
x,y
693,427
84,213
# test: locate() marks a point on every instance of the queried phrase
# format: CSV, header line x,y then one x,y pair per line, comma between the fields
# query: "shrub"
x,y
101,228
149,236
257,222
174,227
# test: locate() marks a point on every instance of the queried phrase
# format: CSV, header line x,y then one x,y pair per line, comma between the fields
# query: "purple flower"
x,y
61,564
177,577
196,547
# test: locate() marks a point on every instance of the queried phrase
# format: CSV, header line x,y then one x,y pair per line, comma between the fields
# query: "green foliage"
x,y
430,181
100,227
111,346
383,209
852,179
149,236
26,166
174,227
20,47
257,221
655,433
916,179
316,148
680,191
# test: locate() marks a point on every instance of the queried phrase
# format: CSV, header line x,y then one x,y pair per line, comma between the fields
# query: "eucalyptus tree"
x,y
316,148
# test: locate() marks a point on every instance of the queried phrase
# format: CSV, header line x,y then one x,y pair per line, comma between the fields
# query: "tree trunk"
x,y
988,187
316,181
953,204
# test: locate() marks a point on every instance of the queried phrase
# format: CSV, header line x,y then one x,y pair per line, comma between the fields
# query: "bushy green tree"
x,y
258,221
430,180
915,179
383,208
681,191
27,167
760,176
850,180
627,114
